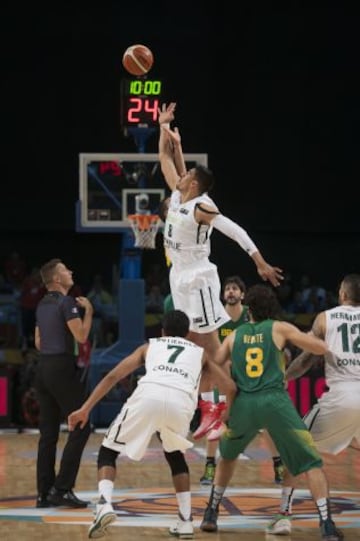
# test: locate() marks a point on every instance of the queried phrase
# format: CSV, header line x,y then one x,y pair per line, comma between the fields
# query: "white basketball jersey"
x,y
343,339
185,240
174,362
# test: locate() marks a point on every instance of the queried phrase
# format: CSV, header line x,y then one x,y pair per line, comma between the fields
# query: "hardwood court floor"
x,y
145,502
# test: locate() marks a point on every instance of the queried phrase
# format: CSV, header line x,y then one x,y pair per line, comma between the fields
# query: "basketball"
x,y
138,59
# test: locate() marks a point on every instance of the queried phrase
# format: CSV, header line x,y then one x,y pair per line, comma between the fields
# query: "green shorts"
x,y
274,411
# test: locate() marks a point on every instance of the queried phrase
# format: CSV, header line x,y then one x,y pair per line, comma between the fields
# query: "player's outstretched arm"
x,y
177,150
303,362
120,371
238,234
175,146
284,331
166,152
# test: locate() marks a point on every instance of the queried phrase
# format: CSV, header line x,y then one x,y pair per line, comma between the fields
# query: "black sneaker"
x,y
209,522
329,531
42,501
65,499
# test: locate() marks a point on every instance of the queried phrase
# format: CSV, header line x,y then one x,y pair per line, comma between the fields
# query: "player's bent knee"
x,y
177,463
106,457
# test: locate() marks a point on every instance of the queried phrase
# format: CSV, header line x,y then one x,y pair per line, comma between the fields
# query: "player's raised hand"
x,y
166,113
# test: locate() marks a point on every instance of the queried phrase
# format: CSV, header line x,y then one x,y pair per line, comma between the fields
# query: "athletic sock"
x,y
287,495
184,504
323,506
105,488
216,495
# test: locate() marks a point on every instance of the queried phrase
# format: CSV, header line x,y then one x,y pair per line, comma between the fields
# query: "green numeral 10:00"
x,y
147,88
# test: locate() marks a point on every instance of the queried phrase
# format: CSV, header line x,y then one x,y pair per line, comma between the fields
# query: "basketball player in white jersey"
x,y
334,421
163,403
192,215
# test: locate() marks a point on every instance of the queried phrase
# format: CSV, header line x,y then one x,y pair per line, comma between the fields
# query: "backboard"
x,y
112,186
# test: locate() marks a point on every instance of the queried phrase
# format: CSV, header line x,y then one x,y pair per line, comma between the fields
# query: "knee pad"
x,y
106,457
177,463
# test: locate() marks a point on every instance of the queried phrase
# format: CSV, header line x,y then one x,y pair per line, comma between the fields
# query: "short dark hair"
x,y
176,323
351,284
262,302
205,178
47,271
235,280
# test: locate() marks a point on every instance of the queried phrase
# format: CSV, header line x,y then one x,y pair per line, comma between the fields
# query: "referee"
x,y
59,329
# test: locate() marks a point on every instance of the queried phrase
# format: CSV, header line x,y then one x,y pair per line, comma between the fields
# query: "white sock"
x,y
323,507
287,495
184,503
216,496
208,396
105,488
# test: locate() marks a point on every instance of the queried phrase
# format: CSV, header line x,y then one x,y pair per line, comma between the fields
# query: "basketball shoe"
x,y
278,472
280,525
182,528
104,516
209,474
329,532
210,414
209,522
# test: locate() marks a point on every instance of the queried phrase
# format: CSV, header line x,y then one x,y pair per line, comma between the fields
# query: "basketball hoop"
x,y
145,227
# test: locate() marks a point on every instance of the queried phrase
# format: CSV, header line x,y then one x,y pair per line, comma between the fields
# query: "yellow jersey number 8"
x,y
254,362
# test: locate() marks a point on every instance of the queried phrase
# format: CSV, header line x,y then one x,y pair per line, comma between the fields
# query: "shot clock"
x,y
140,100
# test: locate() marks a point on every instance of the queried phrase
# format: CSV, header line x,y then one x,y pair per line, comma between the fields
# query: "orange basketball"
x,y
138,59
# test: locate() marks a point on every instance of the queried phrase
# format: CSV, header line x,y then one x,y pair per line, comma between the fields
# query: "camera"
x,y
142,203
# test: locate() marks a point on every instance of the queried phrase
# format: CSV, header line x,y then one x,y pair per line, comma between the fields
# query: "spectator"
x,y
312,292
298,305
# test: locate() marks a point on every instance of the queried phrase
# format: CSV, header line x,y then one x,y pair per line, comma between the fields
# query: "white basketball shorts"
x,y
196,290
151,408
335,420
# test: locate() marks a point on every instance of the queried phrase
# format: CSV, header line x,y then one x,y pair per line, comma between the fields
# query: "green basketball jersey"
x,y
257,364
228,327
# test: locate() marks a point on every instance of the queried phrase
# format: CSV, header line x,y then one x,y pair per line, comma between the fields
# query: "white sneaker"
x,y
105,515
280,525
183,529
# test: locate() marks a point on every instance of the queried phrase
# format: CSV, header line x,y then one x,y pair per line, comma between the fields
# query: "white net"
x,y
145,227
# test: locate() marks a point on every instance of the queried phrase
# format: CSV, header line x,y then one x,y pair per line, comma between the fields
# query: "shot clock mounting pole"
x,y
140,103
140,134
139,108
